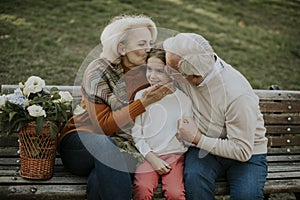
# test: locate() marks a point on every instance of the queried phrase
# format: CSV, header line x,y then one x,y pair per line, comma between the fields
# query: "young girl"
x,y
154,133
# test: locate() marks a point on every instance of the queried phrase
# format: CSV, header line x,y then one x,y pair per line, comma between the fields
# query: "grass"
x,y
52,38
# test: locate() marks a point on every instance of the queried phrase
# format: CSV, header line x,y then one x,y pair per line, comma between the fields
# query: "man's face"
x,y
172,60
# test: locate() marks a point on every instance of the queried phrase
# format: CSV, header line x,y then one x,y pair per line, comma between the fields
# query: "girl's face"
x,y
137,46
155,71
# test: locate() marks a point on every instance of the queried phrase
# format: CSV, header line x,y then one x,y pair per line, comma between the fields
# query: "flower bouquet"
x,y
37,114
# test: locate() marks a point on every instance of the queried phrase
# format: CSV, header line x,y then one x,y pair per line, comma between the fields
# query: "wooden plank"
x,y
282,119
9,152
262,94
78,192
284,158
283,167
74,90
283,175
284,106
282,186
284,150
278,94
9,140
54,180
49,192
282,129
271,187
14,162
284,140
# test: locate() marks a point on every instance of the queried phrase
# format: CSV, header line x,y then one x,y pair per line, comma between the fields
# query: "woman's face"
x,y
137,45
155,71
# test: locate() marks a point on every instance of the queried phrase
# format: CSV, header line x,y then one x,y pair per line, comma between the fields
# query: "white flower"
x,y
36,111
21,85
33,84
2,100
65,96
78,110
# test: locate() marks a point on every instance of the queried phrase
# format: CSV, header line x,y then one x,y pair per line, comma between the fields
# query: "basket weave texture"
x,y
37,152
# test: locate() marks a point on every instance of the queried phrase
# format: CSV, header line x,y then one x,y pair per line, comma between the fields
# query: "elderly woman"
x,y
227,131
96,143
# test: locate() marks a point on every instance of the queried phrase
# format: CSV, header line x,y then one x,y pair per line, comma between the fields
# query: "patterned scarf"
x,y
105,83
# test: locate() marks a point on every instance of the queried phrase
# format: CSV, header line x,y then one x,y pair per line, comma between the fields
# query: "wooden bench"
x,y
281,111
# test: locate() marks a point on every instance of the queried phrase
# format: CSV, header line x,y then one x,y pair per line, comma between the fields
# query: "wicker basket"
x,y
37,152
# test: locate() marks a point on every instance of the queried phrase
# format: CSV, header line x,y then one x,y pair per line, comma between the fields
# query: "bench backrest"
x,y
281,110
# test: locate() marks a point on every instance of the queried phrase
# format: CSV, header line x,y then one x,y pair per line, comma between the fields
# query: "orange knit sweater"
x,y
99,118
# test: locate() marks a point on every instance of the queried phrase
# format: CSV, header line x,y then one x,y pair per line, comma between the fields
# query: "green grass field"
x,y
261,38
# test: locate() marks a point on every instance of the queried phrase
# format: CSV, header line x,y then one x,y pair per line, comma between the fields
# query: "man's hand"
x,y
188,131
159,165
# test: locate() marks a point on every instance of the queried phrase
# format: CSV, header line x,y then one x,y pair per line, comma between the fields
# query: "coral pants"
x,y
146,179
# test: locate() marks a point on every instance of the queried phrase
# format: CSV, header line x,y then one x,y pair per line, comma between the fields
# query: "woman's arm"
x,y
110,121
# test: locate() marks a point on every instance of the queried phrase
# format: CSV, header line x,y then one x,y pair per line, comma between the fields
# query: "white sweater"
x,y
226,110
156,129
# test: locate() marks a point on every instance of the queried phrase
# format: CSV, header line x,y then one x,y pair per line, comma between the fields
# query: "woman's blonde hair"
x,y
116,32
196,52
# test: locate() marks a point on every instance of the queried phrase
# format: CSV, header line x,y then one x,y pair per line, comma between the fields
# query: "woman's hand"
x,y
188,131
156,93
159,165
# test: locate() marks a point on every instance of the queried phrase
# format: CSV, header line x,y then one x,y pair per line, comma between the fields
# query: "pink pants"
x,y
146,179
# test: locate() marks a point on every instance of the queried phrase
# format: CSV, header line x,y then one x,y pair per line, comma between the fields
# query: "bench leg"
x,y
297,195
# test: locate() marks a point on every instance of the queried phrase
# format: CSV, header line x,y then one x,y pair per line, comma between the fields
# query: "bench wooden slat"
x,y
74,90
285,119
283,158
283,129
284,140
283,150
13,161
51,192
279,175
53,180
277,94
286,106
282,186
283,167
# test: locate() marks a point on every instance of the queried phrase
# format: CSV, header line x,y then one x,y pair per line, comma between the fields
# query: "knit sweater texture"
x,y
227,112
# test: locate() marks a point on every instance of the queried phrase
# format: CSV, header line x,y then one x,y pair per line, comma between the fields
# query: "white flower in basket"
x,y
32,102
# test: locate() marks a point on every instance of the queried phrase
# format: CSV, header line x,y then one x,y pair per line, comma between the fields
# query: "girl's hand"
x,y
159,165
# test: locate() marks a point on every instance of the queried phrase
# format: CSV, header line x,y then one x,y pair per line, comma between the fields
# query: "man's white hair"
x,y
196,52
116,32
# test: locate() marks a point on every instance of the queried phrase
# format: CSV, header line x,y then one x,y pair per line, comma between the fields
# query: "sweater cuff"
x,y
207,143
136,108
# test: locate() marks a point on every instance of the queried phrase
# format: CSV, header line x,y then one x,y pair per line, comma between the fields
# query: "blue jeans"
x,y
246,179
96,156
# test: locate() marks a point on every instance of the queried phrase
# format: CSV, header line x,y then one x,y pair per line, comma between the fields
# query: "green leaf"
x,y
53,130
56,96
11,115
54,89
40,122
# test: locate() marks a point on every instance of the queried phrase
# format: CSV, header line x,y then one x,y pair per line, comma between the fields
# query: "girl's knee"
x,y
142,192
175,193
